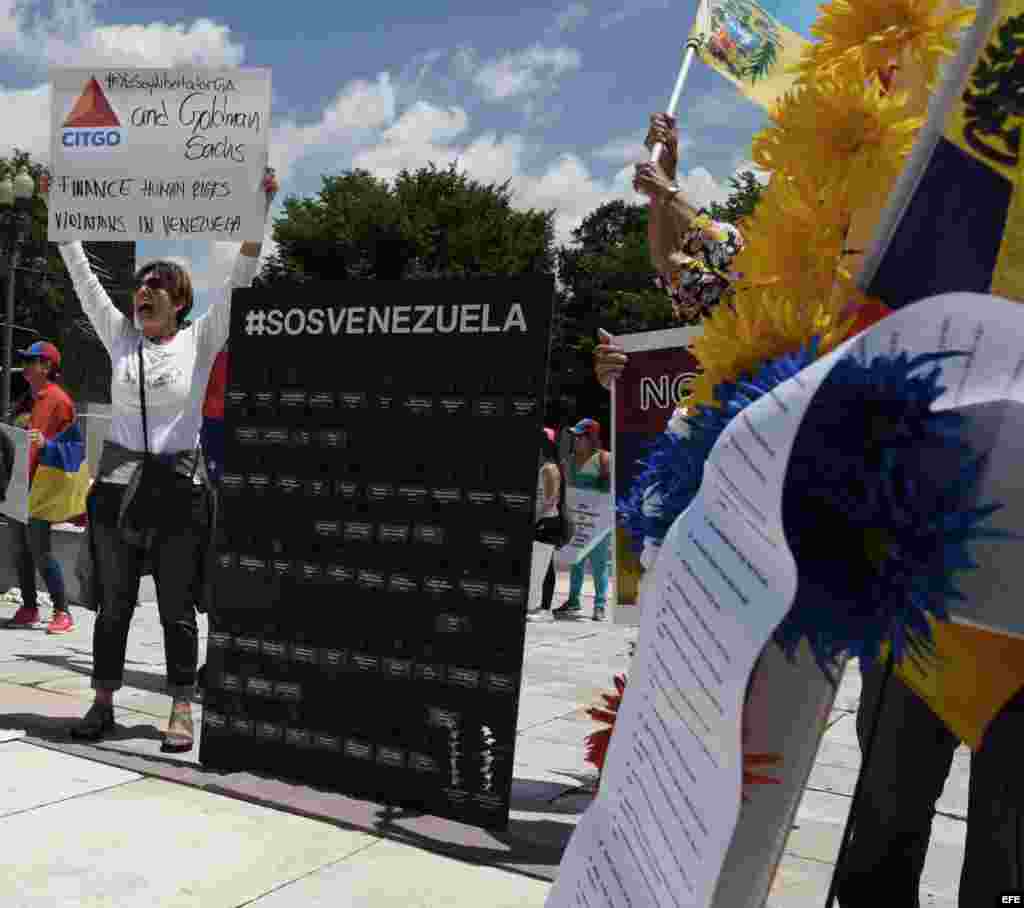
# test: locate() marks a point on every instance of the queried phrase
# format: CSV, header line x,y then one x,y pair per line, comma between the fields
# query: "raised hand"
x,y
609,360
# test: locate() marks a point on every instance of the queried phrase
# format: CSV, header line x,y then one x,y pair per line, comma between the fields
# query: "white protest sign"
x,y
659,831
158,153
14,498
592,512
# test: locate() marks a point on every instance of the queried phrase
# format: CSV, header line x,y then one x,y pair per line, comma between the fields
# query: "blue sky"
x,y
551,95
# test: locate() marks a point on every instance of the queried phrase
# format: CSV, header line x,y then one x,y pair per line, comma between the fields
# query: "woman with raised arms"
x,y
151,502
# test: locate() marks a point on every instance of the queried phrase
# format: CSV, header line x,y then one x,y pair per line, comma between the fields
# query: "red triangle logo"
x,y
92,108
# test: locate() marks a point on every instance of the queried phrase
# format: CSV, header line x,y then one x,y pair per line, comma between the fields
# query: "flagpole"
x,y
692,46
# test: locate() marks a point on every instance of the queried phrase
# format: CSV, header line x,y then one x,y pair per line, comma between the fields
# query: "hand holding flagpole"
x,y
692,46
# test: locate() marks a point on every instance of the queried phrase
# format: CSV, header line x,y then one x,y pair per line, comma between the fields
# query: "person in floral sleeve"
x,y
692,252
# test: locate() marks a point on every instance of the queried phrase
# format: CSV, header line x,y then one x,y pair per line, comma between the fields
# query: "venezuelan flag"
x,y
962,227
956,222
754,44
61,480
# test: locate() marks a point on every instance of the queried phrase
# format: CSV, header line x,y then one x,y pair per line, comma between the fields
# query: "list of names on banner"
x,y
379,501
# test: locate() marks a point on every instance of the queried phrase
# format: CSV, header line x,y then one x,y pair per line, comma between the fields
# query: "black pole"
x,y
851,817
5,387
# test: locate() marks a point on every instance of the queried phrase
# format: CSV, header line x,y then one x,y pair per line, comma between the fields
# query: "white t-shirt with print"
x,y
177,372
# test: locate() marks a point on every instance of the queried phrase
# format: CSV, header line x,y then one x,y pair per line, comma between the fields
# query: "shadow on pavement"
x,y
57,730
532,847
140,680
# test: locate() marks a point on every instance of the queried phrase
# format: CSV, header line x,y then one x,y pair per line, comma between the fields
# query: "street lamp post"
x,y
15,211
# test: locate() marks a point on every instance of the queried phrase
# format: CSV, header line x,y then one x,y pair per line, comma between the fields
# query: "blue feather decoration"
x,y
878,503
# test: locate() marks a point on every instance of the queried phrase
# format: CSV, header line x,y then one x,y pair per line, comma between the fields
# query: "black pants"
x,y
549,531
32,550
908,769
176,557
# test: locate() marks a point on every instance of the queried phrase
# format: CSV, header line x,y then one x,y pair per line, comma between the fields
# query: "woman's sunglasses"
x,y
153,282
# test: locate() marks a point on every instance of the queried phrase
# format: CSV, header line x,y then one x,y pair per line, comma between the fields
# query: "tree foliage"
x,y
746,193
39,293
425,224
440,223
608,282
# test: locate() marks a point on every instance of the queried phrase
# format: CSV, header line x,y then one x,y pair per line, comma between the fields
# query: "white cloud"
x,y
203,43
625,150
522,73
701,188
359,109
25,115
421,135
70,36
631,9
425,134
67,33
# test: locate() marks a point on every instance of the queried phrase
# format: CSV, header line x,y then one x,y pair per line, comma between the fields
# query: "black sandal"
x,y
95,723
180,735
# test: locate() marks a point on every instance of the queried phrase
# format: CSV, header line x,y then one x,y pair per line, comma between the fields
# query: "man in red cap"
x,y
45,412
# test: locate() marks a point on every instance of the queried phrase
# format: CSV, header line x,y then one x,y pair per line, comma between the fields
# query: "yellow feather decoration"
x,y
869,35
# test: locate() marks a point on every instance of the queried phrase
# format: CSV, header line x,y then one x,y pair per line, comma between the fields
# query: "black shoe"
x,y
568,610
95,723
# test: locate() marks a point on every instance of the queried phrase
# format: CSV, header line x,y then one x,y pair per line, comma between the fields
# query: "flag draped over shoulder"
x,y
61,480
961,227
755,45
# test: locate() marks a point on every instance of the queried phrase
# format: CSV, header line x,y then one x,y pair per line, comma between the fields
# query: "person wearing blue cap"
x,y
589,468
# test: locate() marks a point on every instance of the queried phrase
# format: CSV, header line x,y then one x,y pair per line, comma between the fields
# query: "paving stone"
x,y
32,776
152,844
392,875
819,828
534,709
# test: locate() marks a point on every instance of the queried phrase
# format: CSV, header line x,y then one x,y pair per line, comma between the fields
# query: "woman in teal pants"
x,y
589,467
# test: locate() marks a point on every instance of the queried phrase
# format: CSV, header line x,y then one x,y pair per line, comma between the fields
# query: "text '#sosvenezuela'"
x,y
471,318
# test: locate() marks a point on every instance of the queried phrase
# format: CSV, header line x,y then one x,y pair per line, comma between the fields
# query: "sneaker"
x,y
26,616
61,622
567,611
539,614
599,613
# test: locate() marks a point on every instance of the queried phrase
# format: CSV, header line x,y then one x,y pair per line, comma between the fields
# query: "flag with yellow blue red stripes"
x,y
61,481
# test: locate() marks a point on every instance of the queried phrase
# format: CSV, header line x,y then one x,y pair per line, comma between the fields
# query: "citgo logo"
x,y
92,122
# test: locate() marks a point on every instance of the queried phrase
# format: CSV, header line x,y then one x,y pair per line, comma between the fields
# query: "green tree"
x,y
746,193
609,283
425,224
44,301
39,296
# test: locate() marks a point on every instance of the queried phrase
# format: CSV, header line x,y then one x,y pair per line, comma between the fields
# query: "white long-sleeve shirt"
x,y
177,372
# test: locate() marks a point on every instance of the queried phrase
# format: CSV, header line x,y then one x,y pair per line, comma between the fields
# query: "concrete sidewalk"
x,y
103,826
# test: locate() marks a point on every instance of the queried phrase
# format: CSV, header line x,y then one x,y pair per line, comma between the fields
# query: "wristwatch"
x,y
673,191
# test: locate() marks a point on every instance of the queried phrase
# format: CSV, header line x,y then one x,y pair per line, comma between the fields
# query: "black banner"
x,y
378,502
